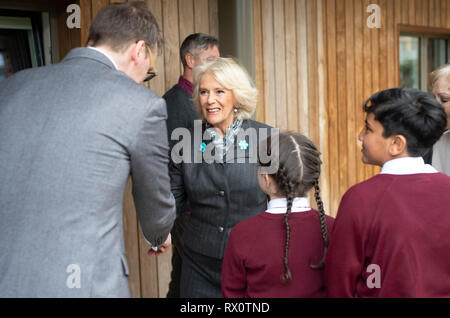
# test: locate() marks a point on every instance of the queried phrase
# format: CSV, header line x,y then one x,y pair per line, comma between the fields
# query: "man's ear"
x,y
190,60
398,146
138,50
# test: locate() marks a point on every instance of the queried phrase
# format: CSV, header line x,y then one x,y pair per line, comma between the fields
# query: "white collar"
x,y
407,165
105,54
278,206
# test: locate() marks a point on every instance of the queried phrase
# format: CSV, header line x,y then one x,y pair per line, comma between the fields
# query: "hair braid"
x,y
323,225
287,188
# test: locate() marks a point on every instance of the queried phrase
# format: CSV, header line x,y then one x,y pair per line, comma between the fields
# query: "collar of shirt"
x,y
407,165
279,205
105,54
185,84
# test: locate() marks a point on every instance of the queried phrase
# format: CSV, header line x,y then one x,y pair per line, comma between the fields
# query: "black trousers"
x,y
200,275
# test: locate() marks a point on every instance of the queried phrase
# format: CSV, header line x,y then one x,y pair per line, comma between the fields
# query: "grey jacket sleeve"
x,y
155,205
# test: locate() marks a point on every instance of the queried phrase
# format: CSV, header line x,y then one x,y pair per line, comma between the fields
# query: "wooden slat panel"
x,y
213,18
259,66
332,106
172,45
201,13
97,5
302,66
280,64
131,236
350,82
291,59
186,18
158,84
269,69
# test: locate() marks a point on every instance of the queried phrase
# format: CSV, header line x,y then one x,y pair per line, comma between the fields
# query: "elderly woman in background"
x,y
440,82
223,189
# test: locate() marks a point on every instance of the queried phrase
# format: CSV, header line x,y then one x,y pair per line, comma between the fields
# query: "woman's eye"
x,y
203,92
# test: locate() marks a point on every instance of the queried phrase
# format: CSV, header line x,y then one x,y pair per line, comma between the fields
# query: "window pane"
x,y
437,53
409,61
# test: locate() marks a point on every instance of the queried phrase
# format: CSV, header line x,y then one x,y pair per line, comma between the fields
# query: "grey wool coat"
x,y
70,136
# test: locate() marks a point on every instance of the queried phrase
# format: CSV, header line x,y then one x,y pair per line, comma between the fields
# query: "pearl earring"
x,y
235,110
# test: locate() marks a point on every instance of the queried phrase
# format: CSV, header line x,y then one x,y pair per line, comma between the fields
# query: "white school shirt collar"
x,y
407,165
278,206
105,54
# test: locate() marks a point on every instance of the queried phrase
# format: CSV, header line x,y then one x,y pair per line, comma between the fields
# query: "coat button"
x,y
220,229
221,193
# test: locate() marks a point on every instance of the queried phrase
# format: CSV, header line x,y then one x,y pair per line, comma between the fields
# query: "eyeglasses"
x,y
152,72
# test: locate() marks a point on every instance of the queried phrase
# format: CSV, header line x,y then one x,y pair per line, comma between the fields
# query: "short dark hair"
x,y
120,24
195,42
409,112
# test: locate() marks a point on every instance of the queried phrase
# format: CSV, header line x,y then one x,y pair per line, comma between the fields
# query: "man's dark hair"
x,y
409,112
195,42
120,24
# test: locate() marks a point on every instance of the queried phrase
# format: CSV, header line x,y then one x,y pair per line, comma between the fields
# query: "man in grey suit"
x,y
70,135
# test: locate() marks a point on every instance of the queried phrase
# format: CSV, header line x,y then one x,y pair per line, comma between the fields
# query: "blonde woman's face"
x,y
441,91
217,103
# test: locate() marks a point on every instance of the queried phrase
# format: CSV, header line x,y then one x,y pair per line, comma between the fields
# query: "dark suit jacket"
x,y
218,195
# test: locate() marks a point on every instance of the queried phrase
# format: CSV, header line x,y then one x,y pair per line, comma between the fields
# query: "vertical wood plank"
x,y
97,5
302,67
213,18
259,65
186,18
269,69
172,45
332,105
131,236
350,83
86,16
158,84
201,13
341,96
280,64
360,24
291,60
313,111
322,97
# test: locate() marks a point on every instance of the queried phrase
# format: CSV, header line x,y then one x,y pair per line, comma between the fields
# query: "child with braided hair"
x,y
280,253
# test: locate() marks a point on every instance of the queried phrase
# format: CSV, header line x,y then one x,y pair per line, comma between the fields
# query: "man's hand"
x,y
163,248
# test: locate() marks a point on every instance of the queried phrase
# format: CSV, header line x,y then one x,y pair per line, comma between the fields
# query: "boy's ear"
x,y
398,146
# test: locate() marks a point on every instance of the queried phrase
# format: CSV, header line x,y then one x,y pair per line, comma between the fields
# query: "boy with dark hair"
x,y
390,238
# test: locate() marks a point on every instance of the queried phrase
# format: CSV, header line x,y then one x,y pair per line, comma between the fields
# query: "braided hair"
x,y
298,171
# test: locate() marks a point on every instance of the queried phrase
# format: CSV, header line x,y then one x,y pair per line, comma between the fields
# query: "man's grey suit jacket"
x,y
70,135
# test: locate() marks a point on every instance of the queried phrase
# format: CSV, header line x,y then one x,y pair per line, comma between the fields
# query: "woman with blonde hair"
x,y
440,84
215,179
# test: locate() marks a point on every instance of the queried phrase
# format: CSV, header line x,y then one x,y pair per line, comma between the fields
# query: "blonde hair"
x,y
438,73
232,76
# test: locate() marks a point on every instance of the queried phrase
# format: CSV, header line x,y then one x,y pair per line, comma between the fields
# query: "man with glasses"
x,y
70,136
196,49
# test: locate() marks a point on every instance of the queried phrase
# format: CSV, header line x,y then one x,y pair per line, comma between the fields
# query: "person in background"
x,y
440,83
390,237
195,49
215,177
255,264
70,136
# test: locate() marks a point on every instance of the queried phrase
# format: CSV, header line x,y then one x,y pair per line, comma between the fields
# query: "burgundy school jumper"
x,y
253,261
400,223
